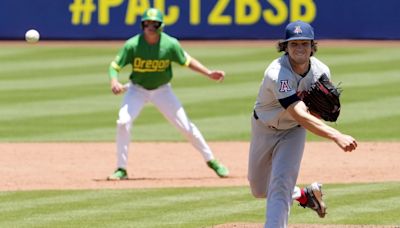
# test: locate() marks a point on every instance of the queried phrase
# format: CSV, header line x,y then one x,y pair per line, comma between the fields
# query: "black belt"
x,y
255,115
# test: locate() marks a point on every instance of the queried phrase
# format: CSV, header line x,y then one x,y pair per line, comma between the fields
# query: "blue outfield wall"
x,y
200,19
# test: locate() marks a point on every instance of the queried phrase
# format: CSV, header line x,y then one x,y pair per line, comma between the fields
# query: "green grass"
x,y
50,93
376,204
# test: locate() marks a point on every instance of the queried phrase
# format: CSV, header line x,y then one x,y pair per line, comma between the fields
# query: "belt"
x,y
272,127
255,115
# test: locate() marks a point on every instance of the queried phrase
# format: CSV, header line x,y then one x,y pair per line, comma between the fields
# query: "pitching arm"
x,y
299,112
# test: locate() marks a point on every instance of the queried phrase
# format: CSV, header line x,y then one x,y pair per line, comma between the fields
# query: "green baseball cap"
x,y
152,14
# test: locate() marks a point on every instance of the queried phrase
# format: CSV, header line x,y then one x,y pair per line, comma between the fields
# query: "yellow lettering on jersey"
x,y
173,12
281,13
149,65
216,17
135,8
104,10
309,10
254,10
195,12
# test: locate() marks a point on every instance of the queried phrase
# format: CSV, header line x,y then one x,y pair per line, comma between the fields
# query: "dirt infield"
x,y
29,166
86,165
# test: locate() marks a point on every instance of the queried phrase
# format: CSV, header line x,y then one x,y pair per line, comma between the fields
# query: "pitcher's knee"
x,y
258,194
258,191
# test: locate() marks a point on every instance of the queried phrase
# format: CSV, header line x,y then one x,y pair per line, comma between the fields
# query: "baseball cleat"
x,y
218,168
119,174
314,199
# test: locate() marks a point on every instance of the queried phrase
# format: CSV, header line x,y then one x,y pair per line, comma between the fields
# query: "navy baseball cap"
x,y
299,30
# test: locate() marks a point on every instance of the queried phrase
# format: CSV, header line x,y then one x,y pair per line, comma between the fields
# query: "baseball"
x,y
32,36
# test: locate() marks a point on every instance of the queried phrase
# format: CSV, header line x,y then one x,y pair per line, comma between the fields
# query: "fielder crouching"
x,y
151,54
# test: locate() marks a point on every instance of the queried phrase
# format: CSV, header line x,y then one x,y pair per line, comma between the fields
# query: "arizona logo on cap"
x,y
297,30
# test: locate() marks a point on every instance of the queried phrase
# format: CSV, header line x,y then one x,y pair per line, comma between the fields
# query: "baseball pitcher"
x,y
279,123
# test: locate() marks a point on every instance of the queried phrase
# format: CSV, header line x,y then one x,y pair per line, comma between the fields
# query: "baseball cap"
x,y
299,30
152,14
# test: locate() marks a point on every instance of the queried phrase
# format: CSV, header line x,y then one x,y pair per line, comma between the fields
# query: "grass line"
x,y
374,204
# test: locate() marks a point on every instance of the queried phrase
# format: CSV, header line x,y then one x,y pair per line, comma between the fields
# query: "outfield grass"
x,y
376,204
50,93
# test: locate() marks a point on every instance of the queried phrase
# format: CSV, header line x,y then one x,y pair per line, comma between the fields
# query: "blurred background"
x,y
58,89
200,19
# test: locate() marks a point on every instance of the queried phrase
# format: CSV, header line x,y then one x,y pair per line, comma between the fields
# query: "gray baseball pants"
x,y
273,168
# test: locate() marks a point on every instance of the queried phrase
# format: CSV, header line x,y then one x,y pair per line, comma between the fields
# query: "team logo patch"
x,y
298,30
284,86
152,13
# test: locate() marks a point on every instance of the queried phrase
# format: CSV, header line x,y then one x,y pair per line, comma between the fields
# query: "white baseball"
x,y
32,36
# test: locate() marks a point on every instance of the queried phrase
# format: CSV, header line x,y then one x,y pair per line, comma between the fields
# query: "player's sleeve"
x,y
179,55
122,59
287,101
284,88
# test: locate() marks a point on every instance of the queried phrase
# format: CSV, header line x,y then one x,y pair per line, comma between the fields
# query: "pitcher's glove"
x,y
322,99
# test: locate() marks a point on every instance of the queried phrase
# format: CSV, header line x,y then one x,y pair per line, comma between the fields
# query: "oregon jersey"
x,y
151,64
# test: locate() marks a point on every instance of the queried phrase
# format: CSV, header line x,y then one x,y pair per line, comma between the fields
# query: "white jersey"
x,y
280,81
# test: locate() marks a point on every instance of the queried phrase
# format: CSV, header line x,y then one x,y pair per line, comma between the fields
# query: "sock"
x,y
303,198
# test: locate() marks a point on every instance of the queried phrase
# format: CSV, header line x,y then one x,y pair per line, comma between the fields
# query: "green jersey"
x,y
151,64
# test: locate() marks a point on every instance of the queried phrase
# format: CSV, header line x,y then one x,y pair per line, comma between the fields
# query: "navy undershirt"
x,y
287,101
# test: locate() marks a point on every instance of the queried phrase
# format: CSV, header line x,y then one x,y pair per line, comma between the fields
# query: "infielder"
x,y
279,124
151,54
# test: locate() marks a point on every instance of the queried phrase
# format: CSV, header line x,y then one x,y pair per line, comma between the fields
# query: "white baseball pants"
x,y
168,104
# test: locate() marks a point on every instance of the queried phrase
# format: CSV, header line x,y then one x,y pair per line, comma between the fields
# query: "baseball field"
x,y
57,130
